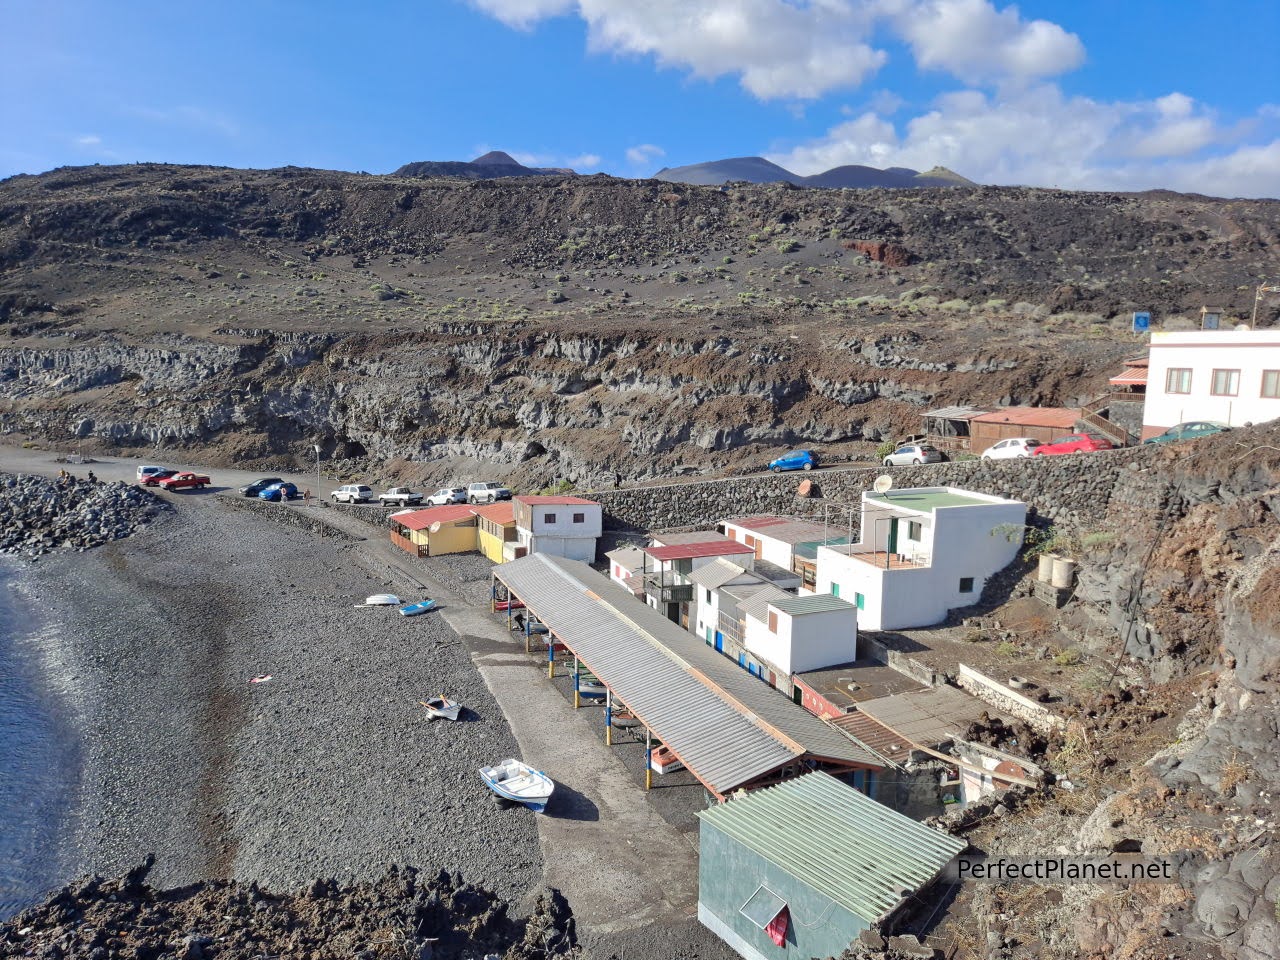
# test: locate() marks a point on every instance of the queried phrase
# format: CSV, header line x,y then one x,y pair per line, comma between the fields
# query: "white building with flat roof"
x,y
561,526
922,553
791,634
1225,376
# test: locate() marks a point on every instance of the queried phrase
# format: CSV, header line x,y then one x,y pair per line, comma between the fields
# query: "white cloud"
x,y
523,14
89,140
644,154
1040,137
585,161
974,41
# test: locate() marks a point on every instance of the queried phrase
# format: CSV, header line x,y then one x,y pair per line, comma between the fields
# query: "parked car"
x,y
400,497
159,473
144,472
186,480
487,493
914,453
278,492
352,493
255,488
798,460
1013,448
1188,431
1074,443
447,495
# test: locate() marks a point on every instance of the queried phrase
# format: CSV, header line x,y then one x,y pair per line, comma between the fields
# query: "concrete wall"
x,y
729,873
556,520
574,548
1203,351
1075,491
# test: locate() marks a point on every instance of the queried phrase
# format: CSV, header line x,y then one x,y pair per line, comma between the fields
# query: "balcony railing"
x,y
666,591
731,628
404,543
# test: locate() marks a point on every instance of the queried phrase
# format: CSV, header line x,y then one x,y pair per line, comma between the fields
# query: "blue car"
x,y
279,491
799,460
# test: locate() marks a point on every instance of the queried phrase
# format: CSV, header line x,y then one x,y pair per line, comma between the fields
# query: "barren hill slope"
x,y
567,327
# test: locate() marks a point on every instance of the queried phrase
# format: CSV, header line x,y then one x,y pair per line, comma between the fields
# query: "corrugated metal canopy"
x,y
758,606
720,571
813,603
1033,417
724,724
955,413
849,848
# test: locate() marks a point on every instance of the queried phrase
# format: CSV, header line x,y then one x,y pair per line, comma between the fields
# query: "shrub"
x,y
786,246
1007,648
1067,658
885,449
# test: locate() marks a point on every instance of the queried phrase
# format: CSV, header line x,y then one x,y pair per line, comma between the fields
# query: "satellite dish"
x,y
883,484
435,527
1242,326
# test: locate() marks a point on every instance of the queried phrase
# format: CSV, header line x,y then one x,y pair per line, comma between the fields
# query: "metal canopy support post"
x,y
577,680
648,759
493,596
608,717
551,657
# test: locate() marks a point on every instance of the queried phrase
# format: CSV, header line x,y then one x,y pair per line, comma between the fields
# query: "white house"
x,y
775,538
667,570
1231,376
922,552
707,582
560,526
625,564
791,634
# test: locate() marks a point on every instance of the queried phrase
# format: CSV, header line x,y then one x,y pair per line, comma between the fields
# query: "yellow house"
x,y
435,530
497,526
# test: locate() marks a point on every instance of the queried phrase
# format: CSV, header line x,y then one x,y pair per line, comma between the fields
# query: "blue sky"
x,y
1128,94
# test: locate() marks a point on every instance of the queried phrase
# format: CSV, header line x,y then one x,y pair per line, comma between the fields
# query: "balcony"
x,y
731,628
667,592
891,561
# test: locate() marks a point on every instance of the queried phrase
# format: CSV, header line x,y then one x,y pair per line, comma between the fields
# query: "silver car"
x,y
447,495
912,453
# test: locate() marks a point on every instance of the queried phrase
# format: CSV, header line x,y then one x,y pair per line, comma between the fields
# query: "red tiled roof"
x,y
1032,417
756,521
503,512
1138,362
1133,376
535,499
421,519
687,551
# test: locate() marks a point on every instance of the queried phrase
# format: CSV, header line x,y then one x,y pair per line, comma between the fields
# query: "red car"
x,y
1074,443
185,480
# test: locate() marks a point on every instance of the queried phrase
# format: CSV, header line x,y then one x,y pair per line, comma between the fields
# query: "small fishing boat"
x,y
519,783
413,609
508,604
382,600
442,708
664,761
589,685
623,719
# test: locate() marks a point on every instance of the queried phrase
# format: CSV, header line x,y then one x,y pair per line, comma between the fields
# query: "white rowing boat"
x,y
519,783
382,600
442,708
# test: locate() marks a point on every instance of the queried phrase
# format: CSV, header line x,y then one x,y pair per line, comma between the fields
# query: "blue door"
x,y
719,642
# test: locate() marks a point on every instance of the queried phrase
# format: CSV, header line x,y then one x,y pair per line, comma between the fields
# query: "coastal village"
x,y
780,669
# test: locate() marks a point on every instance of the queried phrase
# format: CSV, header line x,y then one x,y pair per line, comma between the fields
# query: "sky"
x,y
1078,94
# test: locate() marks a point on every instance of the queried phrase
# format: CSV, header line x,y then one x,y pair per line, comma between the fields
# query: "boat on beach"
x,y
664,761
413,609
382,600
520,783
623,719
442,708
589,685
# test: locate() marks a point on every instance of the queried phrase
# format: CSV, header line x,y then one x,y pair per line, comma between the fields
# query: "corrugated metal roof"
x,y
812,603
809,550
689,536
756,521
720,571
1032,417
421,519
955,413
929,717
724,724
758,606
846,846
563,501
1131,377
744,591
796,531
689,551
503,512
872,733
629,558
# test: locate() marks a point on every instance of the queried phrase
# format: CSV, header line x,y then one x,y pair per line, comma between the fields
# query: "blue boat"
x,y
519,783
413,609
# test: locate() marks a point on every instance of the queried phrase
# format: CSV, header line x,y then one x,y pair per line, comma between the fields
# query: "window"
x,y
1226,383
966,584
773,621
550,518
579,518
1178,380
913,531
708,595
1271,383
859,601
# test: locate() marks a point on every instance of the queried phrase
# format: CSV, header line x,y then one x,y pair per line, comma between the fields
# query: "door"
x,y
892,546
719,642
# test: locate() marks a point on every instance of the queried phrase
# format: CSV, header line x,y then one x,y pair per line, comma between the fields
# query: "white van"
x,y
144,472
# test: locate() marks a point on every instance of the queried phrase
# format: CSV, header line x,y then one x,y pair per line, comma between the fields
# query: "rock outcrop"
x,y
39,515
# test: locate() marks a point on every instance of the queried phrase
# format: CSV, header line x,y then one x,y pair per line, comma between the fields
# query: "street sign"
x,y
1141,322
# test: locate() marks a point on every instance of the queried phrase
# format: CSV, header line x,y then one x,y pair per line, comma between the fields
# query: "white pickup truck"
x,y
487,493
400,497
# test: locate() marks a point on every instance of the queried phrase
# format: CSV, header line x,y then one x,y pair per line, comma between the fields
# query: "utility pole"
x,y
1257,298
316,448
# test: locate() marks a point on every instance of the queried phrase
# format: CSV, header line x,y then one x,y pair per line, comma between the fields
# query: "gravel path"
x,y
328,769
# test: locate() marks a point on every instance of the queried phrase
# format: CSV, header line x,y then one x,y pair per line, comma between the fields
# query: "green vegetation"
x,y
786,246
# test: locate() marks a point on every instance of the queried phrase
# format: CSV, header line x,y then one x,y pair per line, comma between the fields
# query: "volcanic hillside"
x,y
554,327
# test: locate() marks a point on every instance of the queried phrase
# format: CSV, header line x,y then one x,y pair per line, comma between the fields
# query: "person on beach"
x,y
306,496
92,478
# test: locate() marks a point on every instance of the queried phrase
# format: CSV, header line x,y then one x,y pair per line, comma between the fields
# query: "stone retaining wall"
x,y
1071,491
1003,698
290,516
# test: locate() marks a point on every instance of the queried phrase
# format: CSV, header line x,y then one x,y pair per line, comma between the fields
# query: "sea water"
x,y
38,761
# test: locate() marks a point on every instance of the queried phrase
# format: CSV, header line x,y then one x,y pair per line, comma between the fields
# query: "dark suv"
x,y
255,488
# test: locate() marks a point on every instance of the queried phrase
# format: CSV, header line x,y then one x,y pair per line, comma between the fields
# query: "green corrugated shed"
x,y
846,846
